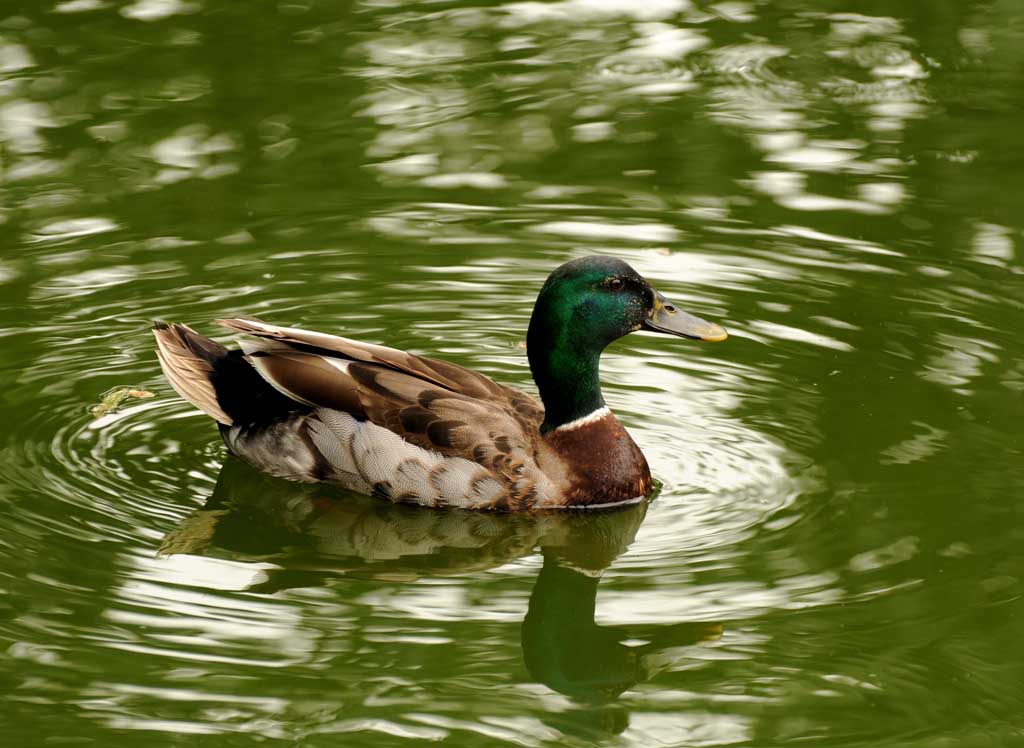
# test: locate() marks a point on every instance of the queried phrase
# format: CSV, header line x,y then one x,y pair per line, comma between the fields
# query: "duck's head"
x,y
583,306
603,298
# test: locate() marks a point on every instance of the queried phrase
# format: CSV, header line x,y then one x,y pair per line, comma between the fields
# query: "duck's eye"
x,y
615,284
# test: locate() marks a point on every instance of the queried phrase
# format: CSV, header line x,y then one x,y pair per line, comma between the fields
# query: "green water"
x,y
835,558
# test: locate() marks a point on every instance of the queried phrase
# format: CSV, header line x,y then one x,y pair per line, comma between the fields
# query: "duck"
x,y
313,407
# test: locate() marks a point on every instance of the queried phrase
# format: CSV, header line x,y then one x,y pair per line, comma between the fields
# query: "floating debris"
x,y
112,400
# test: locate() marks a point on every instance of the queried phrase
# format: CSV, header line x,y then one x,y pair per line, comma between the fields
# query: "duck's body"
x,y
313,407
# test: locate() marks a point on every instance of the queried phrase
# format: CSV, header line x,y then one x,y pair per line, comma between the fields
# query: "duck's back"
x,y
314,407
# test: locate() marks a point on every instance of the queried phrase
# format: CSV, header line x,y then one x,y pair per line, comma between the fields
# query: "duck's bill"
x,y
669,319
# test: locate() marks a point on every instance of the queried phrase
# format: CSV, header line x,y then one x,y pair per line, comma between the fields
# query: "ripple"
x,y
71,228
836,528
640,232
576,11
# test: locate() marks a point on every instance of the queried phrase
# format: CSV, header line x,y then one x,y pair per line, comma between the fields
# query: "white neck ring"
x,y
592,417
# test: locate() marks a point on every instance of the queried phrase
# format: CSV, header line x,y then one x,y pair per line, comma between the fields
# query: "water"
x,y
834,558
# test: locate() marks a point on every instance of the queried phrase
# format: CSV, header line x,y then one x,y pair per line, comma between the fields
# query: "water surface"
x,y
834,557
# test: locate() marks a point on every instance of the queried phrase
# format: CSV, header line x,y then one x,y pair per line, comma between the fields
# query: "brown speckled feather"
x,y
400,426
526,410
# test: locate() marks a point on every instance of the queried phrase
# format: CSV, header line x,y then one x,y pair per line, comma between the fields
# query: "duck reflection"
x,y
313,533
567,651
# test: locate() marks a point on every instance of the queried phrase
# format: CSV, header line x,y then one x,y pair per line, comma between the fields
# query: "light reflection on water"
x,y
837,528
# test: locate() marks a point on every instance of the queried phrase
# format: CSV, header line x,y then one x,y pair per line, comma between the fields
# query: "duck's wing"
x,y
442,374
435,406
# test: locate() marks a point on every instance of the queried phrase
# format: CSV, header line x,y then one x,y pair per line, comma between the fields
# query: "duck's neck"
x,y
606,465
565,368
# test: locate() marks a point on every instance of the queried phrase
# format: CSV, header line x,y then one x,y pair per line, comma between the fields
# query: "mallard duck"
x,y
310,407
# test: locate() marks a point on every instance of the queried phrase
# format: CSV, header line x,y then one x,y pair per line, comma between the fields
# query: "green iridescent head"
x,y
583,306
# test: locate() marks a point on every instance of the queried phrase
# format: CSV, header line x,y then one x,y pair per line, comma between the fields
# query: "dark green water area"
x,y
836,556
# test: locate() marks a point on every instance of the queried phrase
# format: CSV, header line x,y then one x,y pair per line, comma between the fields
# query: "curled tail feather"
x,y
187,359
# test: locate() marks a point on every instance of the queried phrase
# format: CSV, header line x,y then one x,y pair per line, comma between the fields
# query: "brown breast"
x,y
602,463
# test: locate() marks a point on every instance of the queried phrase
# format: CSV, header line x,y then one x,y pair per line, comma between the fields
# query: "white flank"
x,y
589,418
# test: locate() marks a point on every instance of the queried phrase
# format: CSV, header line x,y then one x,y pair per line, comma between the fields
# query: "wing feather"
x,y
441,407
443,374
